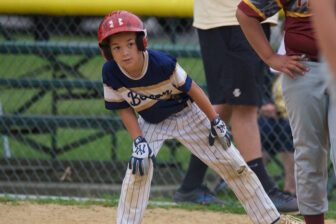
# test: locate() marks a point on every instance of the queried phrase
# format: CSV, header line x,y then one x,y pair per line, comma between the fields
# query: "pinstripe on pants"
x,y
191,128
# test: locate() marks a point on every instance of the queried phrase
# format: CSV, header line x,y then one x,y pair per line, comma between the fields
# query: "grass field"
x,y
18,65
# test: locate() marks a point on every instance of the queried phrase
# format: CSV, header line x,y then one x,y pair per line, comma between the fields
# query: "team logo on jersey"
x,y
236,92
136,99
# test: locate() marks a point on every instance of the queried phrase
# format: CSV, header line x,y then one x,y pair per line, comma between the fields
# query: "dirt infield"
x,y
32,213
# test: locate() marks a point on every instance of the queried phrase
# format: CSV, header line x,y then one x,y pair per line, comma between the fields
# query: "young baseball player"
x,y
311,115
170,105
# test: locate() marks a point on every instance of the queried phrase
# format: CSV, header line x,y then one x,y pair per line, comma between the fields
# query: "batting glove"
x,y
139,159
219,130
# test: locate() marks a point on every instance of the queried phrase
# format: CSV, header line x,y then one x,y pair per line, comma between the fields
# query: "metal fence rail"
x,y
57,139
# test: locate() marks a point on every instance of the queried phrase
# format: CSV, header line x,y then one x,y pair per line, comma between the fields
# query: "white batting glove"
x,y
139,159
219,130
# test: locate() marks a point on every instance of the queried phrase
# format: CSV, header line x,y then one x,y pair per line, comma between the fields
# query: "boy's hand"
x,y
287,64
219,130
139,159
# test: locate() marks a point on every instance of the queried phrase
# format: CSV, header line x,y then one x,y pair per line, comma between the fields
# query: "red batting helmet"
x,y
117,22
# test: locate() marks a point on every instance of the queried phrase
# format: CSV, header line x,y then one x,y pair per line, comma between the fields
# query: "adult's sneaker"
x,y
201,195
283,201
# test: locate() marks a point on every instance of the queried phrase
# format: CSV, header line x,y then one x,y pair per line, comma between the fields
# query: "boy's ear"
x,y
106,51
141,41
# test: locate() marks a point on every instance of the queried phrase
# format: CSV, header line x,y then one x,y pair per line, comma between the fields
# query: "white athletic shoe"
x,y
288,219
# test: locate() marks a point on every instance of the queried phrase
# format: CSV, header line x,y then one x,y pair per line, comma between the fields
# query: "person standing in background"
x,y
311,115
276,134
234,76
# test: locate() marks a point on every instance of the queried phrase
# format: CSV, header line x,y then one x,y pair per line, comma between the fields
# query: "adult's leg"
x,y
306,104
245,132
276,138
288,165
332,132
329,79
194,176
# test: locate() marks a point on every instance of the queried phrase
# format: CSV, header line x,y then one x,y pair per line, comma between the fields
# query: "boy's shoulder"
x,y
161,58
109,68
109,65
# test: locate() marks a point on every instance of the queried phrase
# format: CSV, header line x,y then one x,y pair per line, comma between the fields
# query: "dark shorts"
x,y
276,135
234,72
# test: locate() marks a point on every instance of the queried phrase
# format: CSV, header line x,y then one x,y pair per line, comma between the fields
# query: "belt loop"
x,y
189,103
309,58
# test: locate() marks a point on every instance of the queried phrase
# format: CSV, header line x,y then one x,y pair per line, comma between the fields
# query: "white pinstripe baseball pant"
x,y
191,128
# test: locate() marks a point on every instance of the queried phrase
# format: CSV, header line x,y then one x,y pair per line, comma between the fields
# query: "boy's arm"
x,y
324,21
131,122
218,128
202,101
256,37
138,162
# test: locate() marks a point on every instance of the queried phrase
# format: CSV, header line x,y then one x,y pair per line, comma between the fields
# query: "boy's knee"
x,y
242,170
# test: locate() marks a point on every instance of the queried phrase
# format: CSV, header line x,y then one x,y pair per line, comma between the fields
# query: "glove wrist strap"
x,y
138,140
216,120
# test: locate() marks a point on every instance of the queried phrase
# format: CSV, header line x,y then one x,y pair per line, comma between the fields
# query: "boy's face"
x,y
125,52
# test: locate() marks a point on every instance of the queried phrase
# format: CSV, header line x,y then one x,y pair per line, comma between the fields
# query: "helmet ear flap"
x,y
141,41
106,51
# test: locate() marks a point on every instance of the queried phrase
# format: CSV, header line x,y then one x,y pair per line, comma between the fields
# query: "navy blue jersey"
x,y
159,92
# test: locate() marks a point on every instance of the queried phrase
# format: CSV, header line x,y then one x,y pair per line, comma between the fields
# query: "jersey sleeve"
x,y
180,79
112,98
260,9
113,101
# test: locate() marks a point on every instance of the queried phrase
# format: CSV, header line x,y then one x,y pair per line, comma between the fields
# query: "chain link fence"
x,y
56,137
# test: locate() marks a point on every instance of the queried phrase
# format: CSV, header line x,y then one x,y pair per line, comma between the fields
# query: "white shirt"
x,y
215,13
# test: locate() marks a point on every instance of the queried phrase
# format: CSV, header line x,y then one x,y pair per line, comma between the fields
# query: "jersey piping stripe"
x,y
279,3
255,9
298,14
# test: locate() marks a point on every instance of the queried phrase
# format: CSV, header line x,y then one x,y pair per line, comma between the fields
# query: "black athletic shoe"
x,y
283,201
200,195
